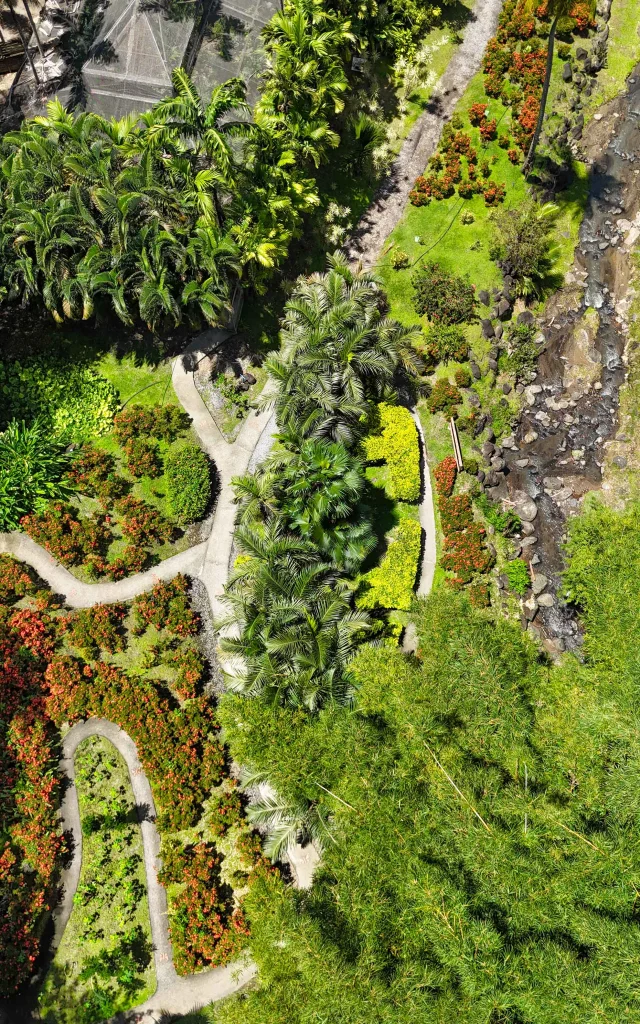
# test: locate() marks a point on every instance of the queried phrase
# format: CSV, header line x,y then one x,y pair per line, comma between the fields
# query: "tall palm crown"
x,y
304,42
297,630
208,127
339,353
313,487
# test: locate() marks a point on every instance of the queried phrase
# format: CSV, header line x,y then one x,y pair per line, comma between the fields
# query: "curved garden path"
x,y
387,208
173,994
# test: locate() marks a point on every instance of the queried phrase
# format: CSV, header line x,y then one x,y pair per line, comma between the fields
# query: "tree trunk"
x,y
528,164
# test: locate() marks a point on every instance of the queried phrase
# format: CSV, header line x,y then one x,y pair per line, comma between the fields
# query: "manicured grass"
x,y
139,383
435,232
111,897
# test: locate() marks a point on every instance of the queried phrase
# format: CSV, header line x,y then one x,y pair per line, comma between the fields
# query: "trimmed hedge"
x,y
398,446
390,584
188,483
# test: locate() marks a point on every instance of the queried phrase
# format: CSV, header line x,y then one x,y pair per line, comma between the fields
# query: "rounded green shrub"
x,y
188,483
517,572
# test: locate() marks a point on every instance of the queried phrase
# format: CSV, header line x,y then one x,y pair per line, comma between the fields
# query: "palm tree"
x,y
557,9
296,623
286,822
313,488
305,42
207,127
339,354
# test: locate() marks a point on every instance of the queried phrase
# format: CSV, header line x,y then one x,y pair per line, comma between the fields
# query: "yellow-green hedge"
x,y
397,444
390,584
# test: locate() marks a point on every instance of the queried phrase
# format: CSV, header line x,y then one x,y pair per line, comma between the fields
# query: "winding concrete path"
x,y
387,208
173,993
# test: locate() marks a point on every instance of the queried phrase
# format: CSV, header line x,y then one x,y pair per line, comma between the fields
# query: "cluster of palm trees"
x,y
164,212
303,531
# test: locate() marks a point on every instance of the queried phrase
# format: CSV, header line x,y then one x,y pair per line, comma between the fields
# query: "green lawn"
x,y
138,382
435,232
111,901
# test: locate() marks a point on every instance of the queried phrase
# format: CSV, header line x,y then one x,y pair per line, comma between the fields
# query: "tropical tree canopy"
x,y
339,354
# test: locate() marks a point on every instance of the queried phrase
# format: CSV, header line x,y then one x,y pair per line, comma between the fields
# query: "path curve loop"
x,y
173,994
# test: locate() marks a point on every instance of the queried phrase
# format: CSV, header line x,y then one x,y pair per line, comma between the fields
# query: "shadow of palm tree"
x,y
82,42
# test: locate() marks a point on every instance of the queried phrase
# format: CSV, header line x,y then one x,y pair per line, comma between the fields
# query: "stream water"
x,y
572,405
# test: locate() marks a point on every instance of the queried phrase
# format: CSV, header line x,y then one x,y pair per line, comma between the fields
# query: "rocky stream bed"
x,y
556,454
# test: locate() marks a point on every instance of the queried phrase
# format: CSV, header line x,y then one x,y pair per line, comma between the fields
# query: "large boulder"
x,y
487,329
567,73
526,317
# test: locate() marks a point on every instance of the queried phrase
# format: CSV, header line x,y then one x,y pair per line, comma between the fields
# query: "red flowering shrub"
x,y
465,553
206,929
514,156
419,198
142,524
69,538
527,119
165,422
167,605
445,476
444,398
94,472
35,630
488,130
225,810
177,747
477,113
190,671
494,194
141,457
30,842
581,14
16,580
131,561
98,628
479,595
456,513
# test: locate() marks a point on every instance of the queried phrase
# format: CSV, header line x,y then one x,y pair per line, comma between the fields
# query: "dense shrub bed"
x,y
398,446
43,685
188,482
30,843
206,928
391,584
465,553
73,400
84,539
